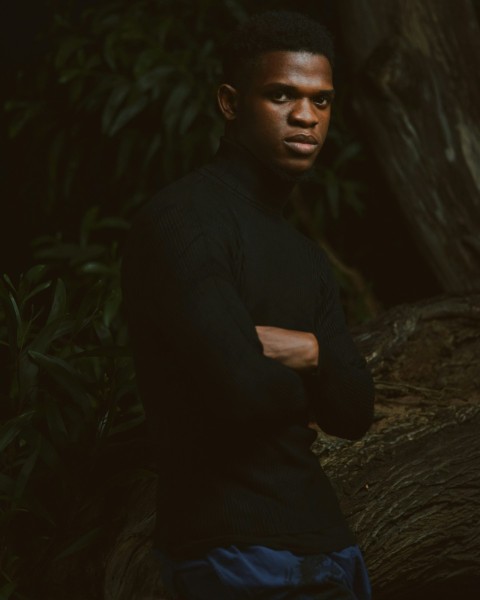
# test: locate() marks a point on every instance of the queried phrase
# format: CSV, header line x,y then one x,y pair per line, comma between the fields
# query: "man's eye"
x,y
322,101
279,96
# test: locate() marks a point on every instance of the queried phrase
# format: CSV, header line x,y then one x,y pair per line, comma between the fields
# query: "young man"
x,y
240,342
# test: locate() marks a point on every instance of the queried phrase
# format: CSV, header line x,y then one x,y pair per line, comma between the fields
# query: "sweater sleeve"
x,y
340,389
180,275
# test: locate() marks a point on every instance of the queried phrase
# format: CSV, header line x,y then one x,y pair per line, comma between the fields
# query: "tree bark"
x,y
415,64
411,487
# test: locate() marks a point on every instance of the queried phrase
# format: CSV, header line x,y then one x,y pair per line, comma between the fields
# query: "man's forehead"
x,y
292,68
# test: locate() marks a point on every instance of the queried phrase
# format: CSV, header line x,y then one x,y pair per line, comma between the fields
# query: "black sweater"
x,y
208,259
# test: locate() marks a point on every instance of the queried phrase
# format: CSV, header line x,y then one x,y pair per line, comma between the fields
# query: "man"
x,y
240,342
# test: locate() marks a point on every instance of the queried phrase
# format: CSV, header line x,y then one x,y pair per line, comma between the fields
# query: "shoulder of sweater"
x,y
193,195
181,212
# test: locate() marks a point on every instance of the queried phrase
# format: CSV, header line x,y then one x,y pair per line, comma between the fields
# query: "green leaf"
x,y
7,590
67,47
109,50
89,306
81,543
112,306
96,268
12,318
70,74
153,77
88,224
352,198
73,253
237,9
65,376
36,290
34,274
22,114
49,453
59,304
76,422
103,333
113,223
131,110
127,425
108,351
12,428
33,504
52,331
55,422
153,147
188,117
6,484
18,319
116,98
27,378
348,153
173,108
25,472
56,155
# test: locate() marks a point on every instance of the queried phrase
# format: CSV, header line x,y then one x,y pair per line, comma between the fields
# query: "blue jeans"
x,y
232,573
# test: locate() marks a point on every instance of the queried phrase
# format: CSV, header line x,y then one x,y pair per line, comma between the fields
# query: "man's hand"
x,y
295,349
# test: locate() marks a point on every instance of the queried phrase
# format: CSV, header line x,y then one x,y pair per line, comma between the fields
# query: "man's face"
x,y
283,112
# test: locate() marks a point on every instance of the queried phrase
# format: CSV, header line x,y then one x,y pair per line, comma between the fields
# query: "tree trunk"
x,y
415,66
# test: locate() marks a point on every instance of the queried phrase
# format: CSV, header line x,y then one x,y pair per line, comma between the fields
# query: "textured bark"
x,y
415,66
412,495
411,487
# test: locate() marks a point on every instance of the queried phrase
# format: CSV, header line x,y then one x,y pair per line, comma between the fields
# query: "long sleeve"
x,y
178,271
340,389
206,260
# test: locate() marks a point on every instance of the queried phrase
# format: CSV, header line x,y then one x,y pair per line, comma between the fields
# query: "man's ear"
x,y
227,97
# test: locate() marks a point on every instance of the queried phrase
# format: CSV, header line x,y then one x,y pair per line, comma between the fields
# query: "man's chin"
x,y
290,175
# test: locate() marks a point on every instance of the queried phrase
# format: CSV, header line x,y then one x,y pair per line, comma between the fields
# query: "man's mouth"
x,y
302,143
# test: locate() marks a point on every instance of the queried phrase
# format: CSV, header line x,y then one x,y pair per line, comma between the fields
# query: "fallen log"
x,y
411,487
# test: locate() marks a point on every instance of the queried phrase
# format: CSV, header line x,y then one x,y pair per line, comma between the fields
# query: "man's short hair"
x,y
269,31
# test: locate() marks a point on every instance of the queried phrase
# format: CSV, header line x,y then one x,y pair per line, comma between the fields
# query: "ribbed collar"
x,y
249,177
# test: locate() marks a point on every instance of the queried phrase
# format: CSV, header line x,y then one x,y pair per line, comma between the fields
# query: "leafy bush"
x,y
68,394
122,101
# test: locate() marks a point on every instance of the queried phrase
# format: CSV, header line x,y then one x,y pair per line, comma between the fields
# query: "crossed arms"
x,y
295,349
243,372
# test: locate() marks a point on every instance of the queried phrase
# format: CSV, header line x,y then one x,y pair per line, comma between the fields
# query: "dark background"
x,y
369,233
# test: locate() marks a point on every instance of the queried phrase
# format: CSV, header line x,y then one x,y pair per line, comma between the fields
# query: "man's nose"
x,y
303,113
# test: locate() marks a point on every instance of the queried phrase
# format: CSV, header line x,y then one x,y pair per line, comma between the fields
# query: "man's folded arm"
x,y
185,286
340,388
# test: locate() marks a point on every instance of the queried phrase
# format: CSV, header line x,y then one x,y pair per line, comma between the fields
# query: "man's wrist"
x,y
306,354
313,356
295,349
